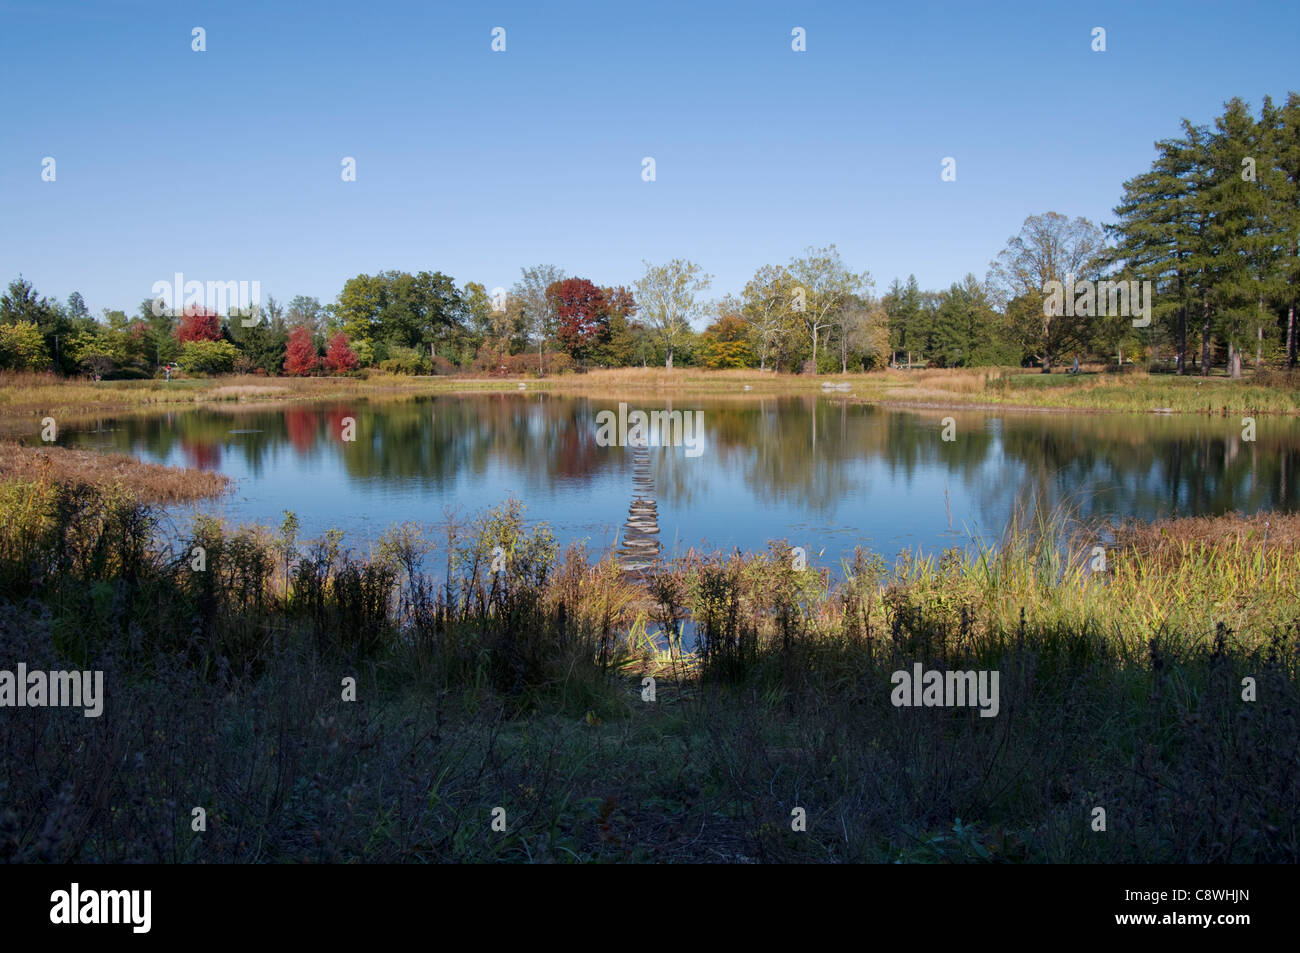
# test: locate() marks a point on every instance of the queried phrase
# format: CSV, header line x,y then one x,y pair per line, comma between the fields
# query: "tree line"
x,y
1212,229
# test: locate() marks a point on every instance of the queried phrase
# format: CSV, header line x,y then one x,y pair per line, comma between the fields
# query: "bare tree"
x,y
1049,247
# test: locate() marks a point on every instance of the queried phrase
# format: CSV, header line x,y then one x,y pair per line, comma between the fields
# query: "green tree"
x,y
827,286
666,296
99,350
397,310
22,347
767,305
21,304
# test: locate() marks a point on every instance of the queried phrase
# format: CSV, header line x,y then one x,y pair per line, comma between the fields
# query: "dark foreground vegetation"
x,y
523,690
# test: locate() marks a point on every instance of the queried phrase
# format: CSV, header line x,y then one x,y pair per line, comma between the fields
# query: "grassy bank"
x,y
525,690
145,482
26,398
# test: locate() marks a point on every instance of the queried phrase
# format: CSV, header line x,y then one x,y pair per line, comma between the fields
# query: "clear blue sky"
x,y
225,164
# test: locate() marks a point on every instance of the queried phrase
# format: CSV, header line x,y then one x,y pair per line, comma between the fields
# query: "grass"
x,y
148,482
525,690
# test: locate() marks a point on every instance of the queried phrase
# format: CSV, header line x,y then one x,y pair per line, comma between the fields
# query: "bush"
x,y
208,357
406,360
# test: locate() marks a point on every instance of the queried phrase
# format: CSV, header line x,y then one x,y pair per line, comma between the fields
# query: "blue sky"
x,y
225,165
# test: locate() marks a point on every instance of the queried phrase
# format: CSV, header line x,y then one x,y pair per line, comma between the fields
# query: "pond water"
x,y
822,472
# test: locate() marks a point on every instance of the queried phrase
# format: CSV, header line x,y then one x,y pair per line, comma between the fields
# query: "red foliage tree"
x,y
300,354
340,357
620,301
199,324
582,312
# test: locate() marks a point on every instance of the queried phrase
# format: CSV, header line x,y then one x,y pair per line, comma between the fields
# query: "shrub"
x,y
208,357
406,360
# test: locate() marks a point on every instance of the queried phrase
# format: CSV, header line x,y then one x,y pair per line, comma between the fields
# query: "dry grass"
x,y
150,482
1279,532
244,391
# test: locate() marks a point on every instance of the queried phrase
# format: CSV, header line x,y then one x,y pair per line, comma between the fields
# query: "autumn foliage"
x,y
300,354
339,356
582,313
198,324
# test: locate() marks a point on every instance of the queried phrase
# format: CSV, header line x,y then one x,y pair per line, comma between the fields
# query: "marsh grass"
x,y
150,482
1120,689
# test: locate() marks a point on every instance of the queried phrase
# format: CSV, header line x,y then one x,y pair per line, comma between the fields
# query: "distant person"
x,y
1076,365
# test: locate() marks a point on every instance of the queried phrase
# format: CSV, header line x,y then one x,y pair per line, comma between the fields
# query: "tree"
x,y
1049,247
967,331
539,314
396,310
1285,142
261,338
198,324
340,358
99,350
77,310
666,295
620,345
725,342
910,326
478,313
22,347
301,310
766,306
582,315
863,327
300,357
826,284
21,304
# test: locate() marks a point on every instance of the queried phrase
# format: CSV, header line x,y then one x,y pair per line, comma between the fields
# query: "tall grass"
x,y
1121,688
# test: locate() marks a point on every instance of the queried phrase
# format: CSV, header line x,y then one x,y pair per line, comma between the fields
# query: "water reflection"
x,y
816,470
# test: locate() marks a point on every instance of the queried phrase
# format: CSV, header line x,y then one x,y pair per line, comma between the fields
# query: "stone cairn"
x,y
641,548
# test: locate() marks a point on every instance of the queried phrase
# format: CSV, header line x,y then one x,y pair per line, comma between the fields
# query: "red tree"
x,y
199,324
340,357
300,354
582,311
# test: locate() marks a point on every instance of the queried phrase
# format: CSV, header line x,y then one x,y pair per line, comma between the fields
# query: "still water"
x,y
824,473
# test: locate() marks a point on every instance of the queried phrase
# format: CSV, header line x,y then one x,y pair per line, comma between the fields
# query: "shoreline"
x,y
25,400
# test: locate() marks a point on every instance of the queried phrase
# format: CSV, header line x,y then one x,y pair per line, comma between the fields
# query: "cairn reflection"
x,y
640,548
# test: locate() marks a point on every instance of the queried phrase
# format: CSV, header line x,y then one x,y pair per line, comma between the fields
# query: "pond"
x,y
826,473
